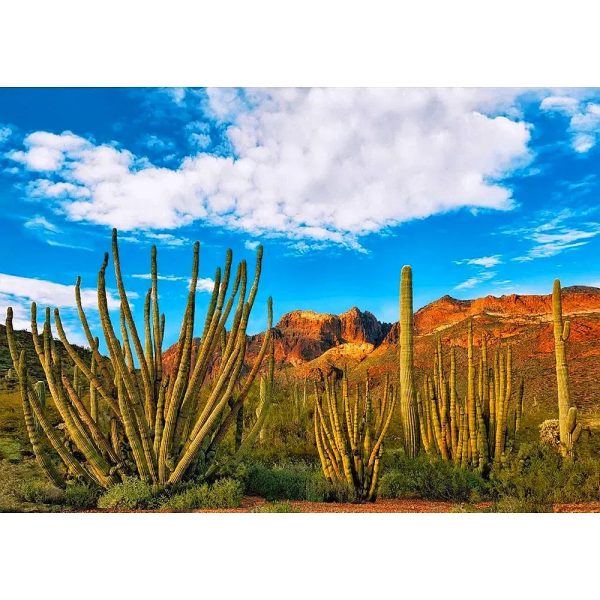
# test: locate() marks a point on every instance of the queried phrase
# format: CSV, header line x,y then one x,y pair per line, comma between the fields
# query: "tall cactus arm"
x,y
561,334
143,364
250,378
408,403
92,341
85,369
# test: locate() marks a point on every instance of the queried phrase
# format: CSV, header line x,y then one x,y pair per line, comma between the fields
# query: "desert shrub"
x,y
130,494
10,450
540,475
318,489
39,492
276,507
80,495
510,504
281,482
225,493
294,481
550,433
431,480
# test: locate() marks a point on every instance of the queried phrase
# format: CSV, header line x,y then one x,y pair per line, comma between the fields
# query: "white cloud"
x,y
160,277
583,142
475,280
50,293
50,233
150,237
40,223
48,151
205,284
251,244
19,292
483,261
566,104
325,165
556,234
584,122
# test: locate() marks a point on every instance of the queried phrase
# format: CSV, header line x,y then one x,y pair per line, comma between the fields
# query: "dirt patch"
x,y
251,503
579,507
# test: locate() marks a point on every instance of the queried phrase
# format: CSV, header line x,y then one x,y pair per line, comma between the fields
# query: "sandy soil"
x,y
251,503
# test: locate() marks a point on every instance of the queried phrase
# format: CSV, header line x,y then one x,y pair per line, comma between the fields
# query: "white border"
x,y
278,42
299,43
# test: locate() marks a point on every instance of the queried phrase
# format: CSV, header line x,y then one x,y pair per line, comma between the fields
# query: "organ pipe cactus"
x,y
349,434
567,413
473,430
160,426
408,399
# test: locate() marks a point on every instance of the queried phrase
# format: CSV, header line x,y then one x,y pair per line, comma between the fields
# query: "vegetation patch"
x,y
225,493
421,477
276,507
131,494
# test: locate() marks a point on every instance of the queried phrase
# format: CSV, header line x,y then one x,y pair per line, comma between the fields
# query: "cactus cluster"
x,y
350,432
123,414
569,428
476,430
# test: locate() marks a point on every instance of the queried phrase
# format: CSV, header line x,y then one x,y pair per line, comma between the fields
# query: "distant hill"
x,y
24,341
306,341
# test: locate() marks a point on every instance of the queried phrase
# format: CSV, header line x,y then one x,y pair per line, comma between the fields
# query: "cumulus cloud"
x,y
324,166
19,292
584,119
251,244
50,293
205,284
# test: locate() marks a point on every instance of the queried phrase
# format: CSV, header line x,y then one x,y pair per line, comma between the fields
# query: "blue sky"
x,y
482,191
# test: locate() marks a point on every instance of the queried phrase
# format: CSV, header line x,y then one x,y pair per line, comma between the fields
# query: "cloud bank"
x,y
321,165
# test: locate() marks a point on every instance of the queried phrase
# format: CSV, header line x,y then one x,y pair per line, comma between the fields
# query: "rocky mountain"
x,y
302,336
306,340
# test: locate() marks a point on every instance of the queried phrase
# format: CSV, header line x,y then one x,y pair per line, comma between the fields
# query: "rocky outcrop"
x,y
302,336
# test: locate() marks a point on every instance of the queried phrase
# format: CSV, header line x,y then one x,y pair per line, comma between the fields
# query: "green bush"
x,y
130,494
318,489
39,492
431,480
538,475
294,481
80,495
282,482
276,507
10,450
225,493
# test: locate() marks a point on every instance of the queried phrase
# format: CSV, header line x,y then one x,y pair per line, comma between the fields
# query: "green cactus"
x,y
157,427
567,413
408,400
448,427
350,452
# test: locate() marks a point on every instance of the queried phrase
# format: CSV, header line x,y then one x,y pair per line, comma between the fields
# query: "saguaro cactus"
x,y
567,414
171,423
408,400
350,433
